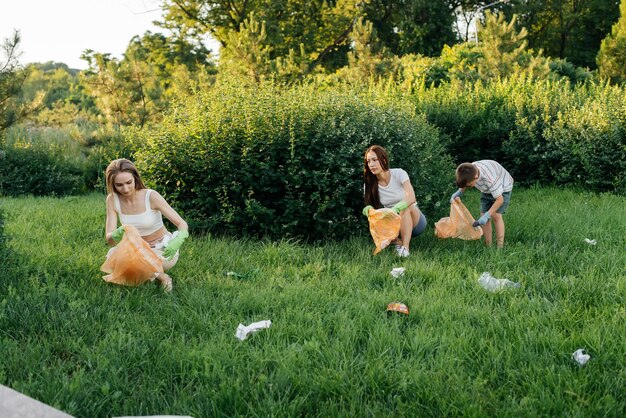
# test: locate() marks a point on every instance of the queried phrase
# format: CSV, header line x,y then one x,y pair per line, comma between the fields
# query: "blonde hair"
x,y
122,165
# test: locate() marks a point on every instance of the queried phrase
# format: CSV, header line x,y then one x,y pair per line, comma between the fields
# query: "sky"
x,y
60,30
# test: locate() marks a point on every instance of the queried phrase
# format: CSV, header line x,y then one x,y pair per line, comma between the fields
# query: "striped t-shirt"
x,y
493,178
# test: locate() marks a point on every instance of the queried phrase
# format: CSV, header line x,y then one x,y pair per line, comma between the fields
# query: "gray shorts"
x,y
486,200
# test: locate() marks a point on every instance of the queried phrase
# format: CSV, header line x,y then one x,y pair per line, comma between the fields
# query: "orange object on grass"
x,y
384,227
132,262
398,307
458,224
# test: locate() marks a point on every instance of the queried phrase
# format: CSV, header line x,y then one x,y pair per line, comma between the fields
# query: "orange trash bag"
x,y
458,224
384,227
132,262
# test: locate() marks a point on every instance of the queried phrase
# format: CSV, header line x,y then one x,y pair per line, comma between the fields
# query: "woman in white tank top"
x,y
133,204
391,188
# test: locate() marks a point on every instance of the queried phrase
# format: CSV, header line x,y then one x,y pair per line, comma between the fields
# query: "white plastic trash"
x,y
243,330
492,284
397,272
580,357
590,241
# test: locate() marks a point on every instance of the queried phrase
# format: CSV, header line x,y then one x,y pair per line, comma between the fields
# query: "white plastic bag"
x,y
243,330
492,284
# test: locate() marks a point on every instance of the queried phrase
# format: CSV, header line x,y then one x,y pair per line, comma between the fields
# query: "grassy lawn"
x,y
94,349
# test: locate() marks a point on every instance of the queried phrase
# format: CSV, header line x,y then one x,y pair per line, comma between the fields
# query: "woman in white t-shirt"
x,y
391,188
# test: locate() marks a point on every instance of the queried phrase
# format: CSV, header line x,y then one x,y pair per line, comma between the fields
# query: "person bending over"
x,y
496,185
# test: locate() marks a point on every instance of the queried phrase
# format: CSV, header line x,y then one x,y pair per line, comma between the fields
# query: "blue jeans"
x,y
486,200
420,227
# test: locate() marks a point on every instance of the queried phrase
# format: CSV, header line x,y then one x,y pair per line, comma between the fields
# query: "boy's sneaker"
x,y
402,252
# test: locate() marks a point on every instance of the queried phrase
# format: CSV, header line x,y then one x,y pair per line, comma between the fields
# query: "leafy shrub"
x,y
30,171
542,131
477,118
286,162
58,161
570,136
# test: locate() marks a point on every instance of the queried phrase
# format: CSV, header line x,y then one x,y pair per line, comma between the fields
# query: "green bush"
x,y
570,136
26,171
477,118
547,132
58,161
287,162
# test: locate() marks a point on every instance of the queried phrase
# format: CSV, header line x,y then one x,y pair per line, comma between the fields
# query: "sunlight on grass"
x,y
95,349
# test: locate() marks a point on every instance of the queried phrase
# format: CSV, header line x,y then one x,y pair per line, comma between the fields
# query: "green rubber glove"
x,y
170,250
366,210
118,234
400,206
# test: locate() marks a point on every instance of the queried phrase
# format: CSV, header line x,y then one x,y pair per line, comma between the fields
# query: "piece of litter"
x,y
590,241
580,357
243,330
397,272
492,284
233,274
397,307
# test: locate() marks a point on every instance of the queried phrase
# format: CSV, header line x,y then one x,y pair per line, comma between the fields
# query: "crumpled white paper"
x,y
243,330
397,272
492,284
590,241
580,357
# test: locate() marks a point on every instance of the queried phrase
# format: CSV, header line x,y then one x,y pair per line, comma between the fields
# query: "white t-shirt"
x,y
493,178
394,191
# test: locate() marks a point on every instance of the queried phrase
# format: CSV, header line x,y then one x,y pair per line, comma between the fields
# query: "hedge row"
x,y
51,161
542,131
287,162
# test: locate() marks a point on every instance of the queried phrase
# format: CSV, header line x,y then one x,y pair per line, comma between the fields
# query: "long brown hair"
x,y
119,166
371,182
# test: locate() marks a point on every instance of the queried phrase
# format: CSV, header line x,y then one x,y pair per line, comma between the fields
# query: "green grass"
x,y
94,349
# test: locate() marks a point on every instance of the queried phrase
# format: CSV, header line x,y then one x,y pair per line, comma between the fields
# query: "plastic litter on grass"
x,y
397,272
243,331
493,284
580,357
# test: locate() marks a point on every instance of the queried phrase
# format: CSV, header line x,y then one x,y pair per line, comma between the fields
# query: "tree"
x,y
612,56
12,76
505,50
413,26
315,30
368,59
138,88
571,29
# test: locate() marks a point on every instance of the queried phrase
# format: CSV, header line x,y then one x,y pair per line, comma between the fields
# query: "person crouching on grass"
x,y
130,201
496,185
391,188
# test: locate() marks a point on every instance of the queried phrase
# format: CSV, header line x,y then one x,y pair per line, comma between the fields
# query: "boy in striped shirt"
x,y
496,185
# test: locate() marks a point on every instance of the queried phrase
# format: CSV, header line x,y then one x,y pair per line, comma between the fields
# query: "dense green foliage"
x,y
566,29
543,132
94,349
11,78
612,56
57,161
287,162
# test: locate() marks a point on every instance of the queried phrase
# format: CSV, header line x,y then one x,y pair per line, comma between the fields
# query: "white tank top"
x,y
147,222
